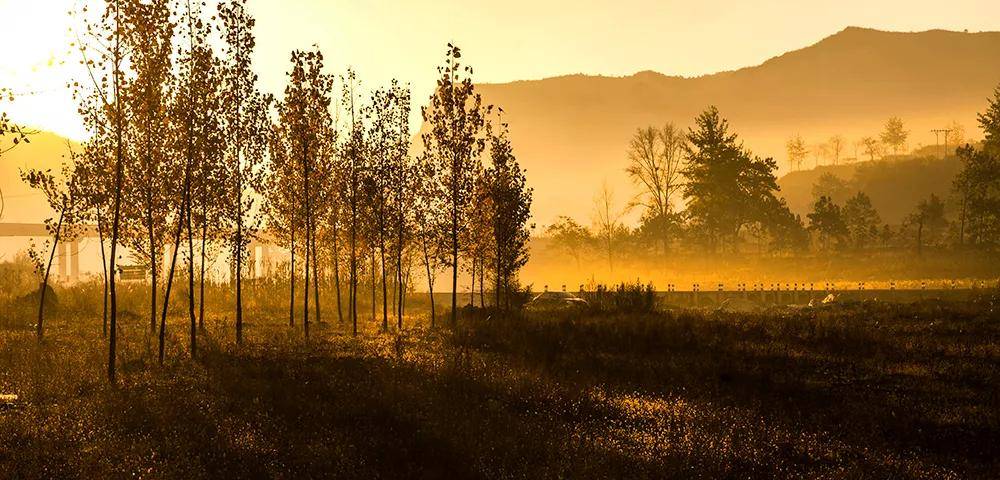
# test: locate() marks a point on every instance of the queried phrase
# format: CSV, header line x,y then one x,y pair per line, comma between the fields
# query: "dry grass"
x,y
866,390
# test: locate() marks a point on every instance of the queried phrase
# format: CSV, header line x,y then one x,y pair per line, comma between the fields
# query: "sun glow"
x,y
37,63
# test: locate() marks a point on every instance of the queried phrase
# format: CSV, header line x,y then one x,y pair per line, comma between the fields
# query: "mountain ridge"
x,y
575,128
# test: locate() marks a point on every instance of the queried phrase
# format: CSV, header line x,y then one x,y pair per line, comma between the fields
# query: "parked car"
x,y
556,301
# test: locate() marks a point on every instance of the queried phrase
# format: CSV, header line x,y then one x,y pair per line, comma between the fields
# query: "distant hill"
x,y
571,132
894,186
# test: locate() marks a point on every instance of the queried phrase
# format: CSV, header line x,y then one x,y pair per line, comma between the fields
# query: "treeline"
x,y
701,191
187,152
892,140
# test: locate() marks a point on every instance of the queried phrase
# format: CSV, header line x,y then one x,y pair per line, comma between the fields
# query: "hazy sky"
x,y
503,40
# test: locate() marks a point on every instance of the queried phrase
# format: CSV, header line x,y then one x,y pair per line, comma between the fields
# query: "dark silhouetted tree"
x,y
727,187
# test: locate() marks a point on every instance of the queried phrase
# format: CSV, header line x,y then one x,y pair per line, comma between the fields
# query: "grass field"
x,y
863,390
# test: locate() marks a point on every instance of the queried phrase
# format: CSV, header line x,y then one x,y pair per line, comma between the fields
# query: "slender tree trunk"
x,y
336,274
472,286
353,300
385,291
170,281
430,281
308,226
104,270
316,275
154,267
454,263
374,281
239,264
193,334
499,273
201,265
482,281
400,290
116,216
188,206
48,268
305,294
291,276
193,319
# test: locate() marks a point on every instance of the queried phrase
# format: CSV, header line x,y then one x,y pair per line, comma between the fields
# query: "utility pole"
x,y
937,139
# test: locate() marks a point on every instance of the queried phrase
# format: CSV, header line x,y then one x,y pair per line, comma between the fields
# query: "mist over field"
x,y
321,239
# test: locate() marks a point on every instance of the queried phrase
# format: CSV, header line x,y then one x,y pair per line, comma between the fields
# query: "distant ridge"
x,y
573,129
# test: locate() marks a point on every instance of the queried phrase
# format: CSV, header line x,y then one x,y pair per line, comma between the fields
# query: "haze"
x,y
505,41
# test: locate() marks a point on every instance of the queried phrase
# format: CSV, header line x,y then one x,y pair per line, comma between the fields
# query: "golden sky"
x,y
503,40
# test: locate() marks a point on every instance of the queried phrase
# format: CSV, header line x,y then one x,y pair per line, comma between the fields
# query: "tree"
x,y
510,200
63,199
570,236
430,219
402,178
836,143
149,191
197,138
832,186
956,134
797,151
827,221
389,134
246,127
978,184
728,187
861,220
872,147
455,119
305,132
894,134
104,50
608,223
94,175
928,219
655,164
785,229
989,122
354,168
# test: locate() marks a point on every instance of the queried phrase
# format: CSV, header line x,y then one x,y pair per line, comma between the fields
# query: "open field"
x,y
857,390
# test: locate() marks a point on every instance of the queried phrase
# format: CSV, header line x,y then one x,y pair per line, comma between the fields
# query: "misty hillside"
x,y
571,132
894,186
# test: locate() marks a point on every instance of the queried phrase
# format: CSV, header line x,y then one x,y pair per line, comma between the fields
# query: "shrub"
x,y
622,298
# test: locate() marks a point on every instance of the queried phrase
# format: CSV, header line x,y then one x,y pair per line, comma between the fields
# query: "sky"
x,y
503,40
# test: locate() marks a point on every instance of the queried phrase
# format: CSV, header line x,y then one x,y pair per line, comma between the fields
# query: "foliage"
x,y
894,134
630,298
797,151
827,221
455,119
861,220
728,188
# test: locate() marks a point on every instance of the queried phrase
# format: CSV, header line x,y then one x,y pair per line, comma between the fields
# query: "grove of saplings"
x,y
187,151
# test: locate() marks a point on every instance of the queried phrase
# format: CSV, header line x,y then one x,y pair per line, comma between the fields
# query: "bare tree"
x,y
655,165
797,152
836,143
608,222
